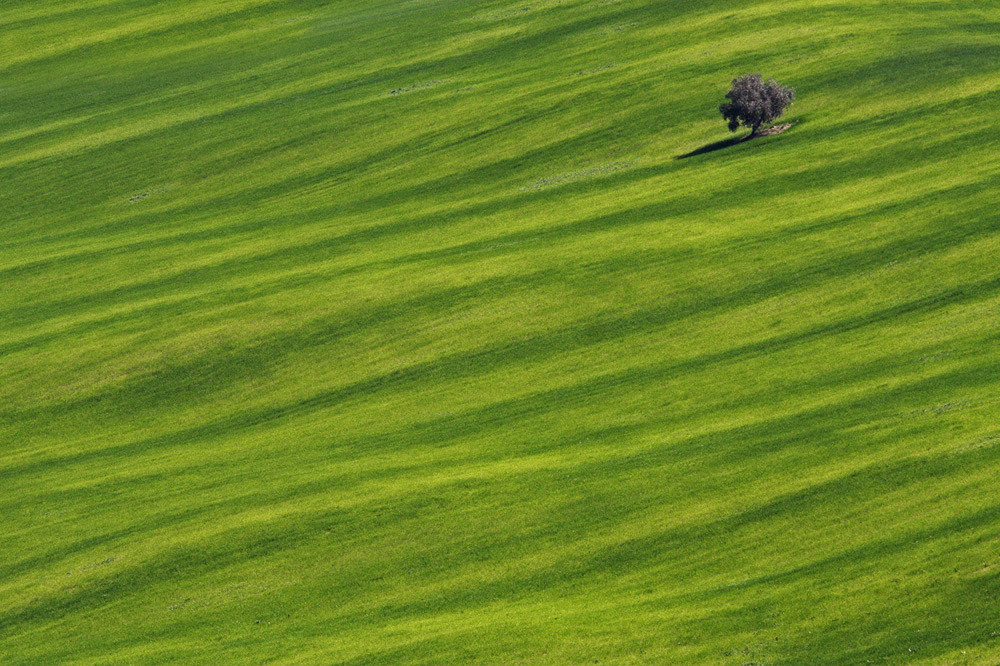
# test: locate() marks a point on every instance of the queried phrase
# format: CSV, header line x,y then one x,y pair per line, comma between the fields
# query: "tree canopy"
x,y
754,102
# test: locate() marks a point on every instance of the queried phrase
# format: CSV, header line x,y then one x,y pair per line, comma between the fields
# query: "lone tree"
x,y
754,102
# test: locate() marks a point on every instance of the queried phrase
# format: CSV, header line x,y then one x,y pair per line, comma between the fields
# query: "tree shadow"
x,y
772,130
717,145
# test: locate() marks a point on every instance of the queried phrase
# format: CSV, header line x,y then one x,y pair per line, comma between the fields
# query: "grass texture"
x,y
427,331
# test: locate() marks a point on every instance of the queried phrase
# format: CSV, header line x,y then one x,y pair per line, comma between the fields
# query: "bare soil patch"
x,y
777,129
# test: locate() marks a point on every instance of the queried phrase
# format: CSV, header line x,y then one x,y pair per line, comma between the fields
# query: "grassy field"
x,y
403,331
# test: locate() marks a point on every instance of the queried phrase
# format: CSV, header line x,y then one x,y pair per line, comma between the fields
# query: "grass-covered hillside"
x,y
396,331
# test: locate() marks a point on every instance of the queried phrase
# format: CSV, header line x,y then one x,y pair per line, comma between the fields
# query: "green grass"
x,y
395,331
